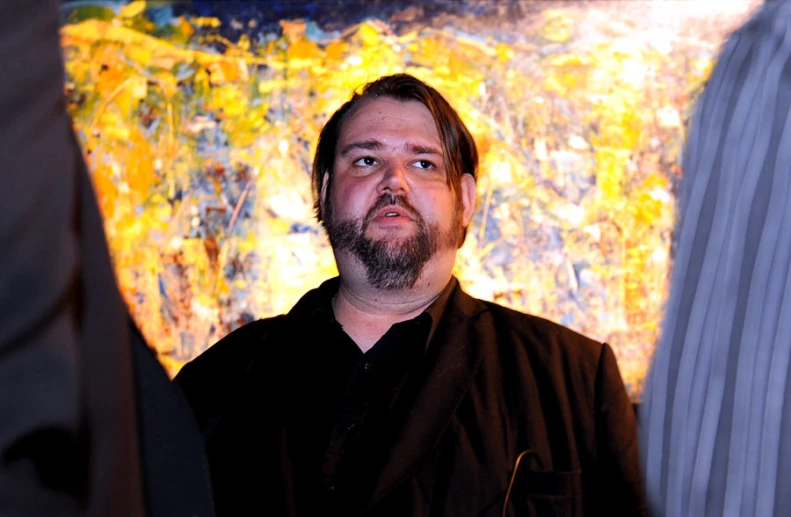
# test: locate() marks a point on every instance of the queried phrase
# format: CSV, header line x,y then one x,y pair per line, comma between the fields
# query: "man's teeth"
x,y
391,214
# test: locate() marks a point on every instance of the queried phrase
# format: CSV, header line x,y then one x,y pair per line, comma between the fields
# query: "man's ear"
x,y
325,180
468,193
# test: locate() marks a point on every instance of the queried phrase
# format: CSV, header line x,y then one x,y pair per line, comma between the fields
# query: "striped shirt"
x,y
716,415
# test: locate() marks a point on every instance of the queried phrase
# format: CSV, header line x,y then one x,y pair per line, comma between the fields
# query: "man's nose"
x,y
394,180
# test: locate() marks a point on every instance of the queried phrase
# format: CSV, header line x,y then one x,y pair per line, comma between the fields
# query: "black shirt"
x,y
365,396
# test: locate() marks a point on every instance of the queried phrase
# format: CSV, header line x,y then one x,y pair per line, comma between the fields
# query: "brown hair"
x,y
458,146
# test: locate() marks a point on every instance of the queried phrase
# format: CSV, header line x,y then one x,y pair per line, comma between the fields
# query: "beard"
x,y
392,264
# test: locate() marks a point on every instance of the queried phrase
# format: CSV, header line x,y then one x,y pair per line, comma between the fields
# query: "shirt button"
x,y
368,367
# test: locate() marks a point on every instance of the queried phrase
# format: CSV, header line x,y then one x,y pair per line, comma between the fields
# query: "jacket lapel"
x,y
455,359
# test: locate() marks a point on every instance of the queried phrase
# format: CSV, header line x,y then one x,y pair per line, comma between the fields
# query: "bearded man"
x,y
390,391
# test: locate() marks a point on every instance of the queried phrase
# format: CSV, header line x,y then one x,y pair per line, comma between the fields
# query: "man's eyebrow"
x,y
423,149
364,144
373,145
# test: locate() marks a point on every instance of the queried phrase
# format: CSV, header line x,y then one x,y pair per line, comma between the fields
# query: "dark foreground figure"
x,y
89,424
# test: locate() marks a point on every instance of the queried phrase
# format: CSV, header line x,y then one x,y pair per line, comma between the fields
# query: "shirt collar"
x,y
320,302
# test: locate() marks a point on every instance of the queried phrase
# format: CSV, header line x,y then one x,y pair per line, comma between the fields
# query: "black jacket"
x,y
500,382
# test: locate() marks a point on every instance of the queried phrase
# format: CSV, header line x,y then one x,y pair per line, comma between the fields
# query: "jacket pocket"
x,y
545,494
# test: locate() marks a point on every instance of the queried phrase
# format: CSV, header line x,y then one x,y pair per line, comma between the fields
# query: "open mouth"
x,y
392,213
391,210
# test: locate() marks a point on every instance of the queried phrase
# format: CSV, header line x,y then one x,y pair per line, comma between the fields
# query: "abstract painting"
x,y
199,121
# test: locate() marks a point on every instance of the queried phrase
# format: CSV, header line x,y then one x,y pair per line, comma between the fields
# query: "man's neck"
x,y
366,313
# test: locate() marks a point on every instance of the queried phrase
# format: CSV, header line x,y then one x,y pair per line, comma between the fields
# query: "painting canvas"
x,y
199,121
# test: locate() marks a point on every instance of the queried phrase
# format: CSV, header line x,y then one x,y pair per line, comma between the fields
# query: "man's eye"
x,y
424,164
366,161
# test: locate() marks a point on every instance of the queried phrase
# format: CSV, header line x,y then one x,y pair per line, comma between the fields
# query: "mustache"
x,y
391,200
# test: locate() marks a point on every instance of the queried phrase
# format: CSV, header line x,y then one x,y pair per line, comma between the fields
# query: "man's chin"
x,y
390,239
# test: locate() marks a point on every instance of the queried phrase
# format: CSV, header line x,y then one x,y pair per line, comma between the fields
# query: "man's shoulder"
x,y
222,368
539,333
226,361
240,343
519,342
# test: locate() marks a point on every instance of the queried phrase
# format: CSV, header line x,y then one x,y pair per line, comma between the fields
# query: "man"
x,y
717,409
388,390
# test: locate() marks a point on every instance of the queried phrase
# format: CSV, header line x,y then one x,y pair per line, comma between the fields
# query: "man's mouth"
x,y
392,213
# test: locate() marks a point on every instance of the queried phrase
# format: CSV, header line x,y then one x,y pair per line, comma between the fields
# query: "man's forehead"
x,y
376,119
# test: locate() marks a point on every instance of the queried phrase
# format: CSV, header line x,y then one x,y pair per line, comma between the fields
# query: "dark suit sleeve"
x,y
616,430
68,439
174,464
